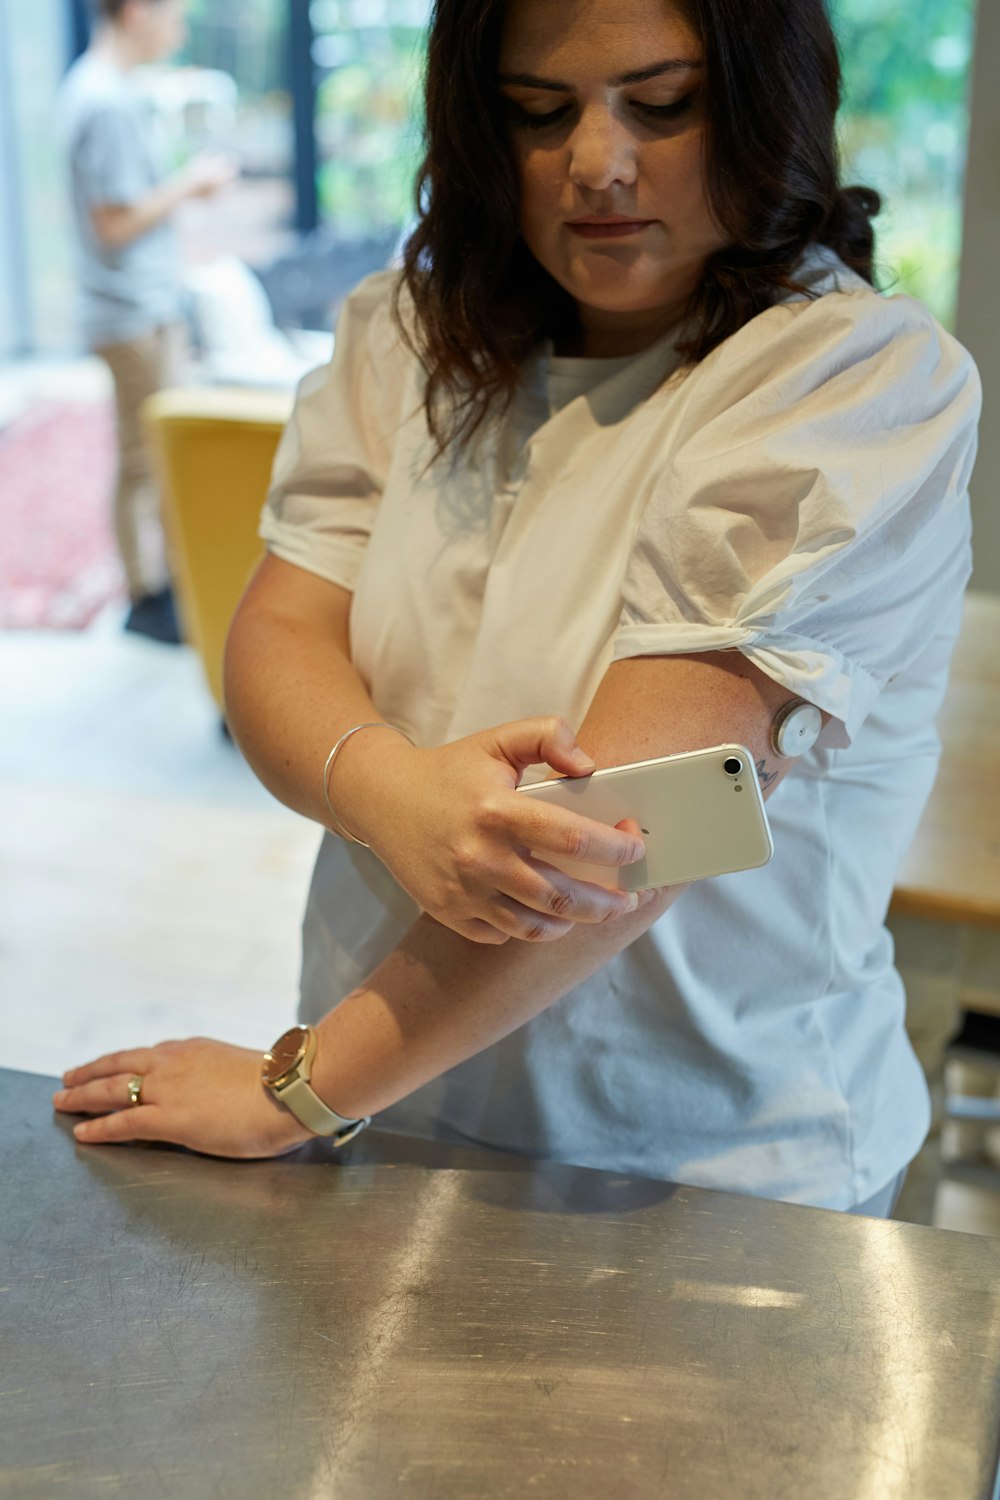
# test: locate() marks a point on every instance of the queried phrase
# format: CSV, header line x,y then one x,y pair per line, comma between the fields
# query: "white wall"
x,y
978,323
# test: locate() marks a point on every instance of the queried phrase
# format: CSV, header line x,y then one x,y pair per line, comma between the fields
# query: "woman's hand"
x,y
202,1094
448,825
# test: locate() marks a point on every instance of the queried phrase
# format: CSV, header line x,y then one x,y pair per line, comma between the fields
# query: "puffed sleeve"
x,y
812,512
331,464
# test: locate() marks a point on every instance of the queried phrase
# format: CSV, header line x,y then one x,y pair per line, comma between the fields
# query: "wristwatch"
x,y
285,1071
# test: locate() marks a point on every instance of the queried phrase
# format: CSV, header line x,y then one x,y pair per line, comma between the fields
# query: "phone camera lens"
x,y
732,765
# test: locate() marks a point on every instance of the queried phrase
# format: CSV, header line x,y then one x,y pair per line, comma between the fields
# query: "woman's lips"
x,y
608,229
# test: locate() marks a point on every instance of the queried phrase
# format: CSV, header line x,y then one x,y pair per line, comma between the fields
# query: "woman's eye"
x,y
666,111
530,121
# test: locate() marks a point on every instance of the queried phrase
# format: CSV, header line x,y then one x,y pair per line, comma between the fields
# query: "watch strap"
x,y
306,1105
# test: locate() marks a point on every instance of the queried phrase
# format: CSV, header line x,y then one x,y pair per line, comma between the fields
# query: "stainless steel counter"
x,y
408,1319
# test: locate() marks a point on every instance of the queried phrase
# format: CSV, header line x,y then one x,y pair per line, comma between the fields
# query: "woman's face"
x,y
606,121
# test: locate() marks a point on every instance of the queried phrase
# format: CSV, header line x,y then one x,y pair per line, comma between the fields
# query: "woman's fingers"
x,y
556,894
139,1124
478,930
101,1087
546,829
540,888
96,1097
553,904
532,900
549,741
527,922
107,1099
137,1060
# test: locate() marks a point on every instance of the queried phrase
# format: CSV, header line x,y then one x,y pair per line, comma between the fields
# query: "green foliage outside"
x,y
903,131
368,125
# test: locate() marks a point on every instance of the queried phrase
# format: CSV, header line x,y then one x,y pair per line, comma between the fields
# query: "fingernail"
x,y
583,759
81,1132
633,900
60,1097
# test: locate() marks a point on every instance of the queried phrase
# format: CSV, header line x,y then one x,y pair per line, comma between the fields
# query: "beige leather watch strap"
x,y
306,1105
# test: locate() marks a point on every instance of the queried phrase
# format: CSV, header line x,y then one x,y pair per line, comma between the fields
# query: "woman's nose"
x,y
601,151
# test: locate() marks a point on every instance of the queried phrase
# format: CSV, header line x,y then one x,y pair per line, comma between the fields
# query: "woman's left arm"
x,y
438,998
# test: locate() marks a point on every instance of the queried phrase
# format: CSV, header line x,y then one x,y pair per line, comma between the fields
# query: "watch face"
x,y
287,1052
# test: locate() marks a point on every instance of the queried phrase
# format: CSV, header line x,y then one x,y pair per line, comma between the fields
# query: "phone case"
x,y
697,818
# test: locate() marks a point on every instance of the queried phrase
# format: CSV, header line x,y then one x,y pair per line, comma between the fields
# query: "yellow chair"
x,y
213,448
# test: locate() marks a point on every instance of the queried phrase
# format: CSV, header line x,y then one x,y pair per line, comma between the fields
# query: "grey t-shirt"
x,y
113,153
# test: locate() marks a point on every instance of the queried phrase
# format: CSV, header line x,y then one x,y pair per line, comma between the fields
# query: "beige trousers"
x,y
140,367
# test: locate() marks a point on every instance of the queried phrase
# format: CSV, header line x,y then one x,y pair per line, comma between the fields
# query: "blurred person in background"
x,y
130,302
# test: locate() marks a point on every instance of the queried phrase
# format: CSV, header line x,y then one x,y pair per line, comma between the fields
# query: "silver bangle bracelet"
x,y
338,826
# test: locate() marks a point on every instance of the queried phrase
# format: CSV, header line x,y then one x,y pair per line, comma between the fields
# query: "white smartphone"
x,y
701,814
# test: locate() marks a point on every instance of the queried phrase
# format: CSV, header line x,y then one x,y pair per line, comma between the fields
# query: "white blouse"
x,y
801,497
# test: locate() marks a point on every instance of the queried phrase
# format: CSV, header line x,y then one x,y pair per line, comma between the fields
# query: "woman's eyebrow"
x,y
624,80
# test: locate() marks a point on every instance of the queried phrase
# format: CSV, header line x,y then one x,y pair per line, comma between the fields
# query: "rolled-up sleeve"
x,y
813,511
331,464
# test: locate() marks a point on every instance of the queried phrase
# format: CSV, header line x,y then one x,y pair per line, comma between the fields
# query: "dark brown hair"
x,y
481,300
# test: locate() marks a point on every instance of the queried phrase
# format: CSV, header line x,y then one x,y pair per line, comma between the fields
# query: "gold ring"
x,y
134,1087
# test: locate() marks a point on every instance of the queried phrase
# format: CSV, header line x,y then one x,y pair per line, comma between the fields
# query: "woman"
x,y
633,445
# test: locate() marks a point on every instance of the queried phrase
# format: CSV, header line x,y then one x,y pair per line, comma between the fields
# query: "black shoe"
x,y
154,616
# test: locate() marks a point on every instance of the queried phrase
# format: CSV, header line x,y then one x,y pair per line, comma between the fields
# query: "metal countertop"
x,y
412,1319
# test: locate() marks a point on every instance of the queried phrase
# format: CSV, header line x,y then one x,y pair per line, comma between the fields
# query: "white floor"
x,y
149,886
74,378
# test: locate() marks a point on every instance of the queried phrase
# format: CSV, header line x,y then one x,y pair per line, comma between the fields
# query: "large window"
x,y
369,58
904,130
229,90
335,150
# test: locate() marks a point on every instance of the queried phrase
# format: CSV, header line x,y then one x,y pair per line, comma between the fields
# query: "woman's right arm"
x,y
291,689
443,820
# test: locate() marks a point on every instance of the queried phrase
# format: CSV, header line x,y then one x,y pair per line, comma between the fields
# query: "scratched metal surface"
x,y
434,1323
